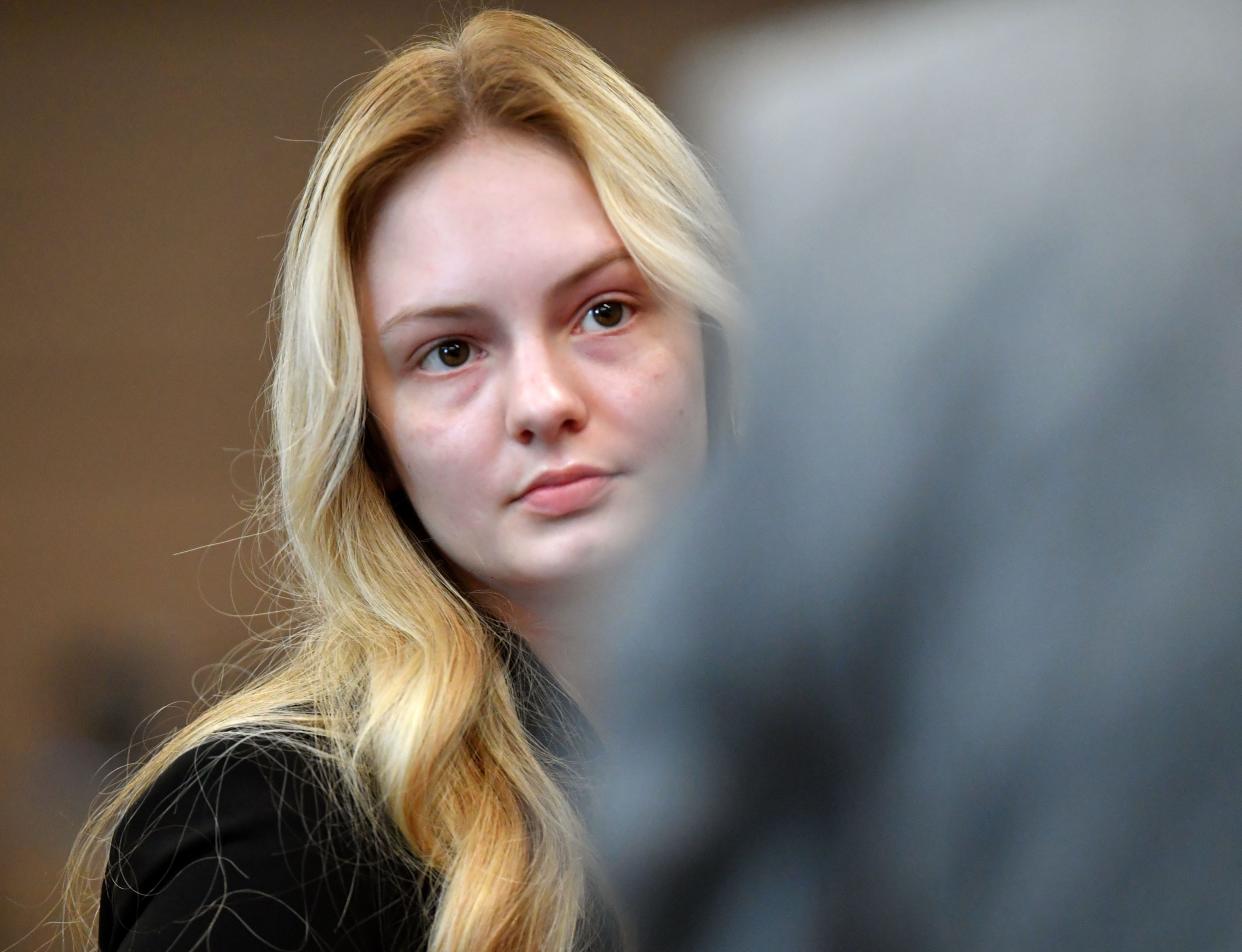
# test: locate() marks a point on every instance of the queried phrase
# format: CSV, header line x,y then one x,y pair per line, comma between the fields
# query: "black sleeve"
x,y
236,848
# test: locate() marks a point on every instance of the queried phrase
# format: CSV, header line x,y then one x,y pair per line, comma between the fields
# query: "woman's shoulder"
x,y
241,843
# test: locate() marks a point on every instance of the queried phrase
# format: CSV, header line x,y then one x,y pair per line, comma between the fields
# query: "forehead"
x,y
496,212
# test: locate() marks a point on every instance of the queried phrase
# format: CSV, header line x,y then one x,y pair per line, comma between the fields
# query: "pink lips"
x,y
564,491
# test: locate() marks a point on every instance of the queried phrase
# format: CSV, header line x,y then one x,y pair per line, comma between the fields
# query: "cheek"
x,y
437,462
667,404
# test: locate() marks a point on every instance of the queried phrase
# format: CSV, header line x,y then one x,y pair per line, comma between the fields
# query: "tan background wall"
x,y
152,153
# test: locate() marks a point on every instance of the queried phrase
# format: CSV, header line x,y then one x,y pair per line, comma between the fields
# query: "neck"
x,y
559,623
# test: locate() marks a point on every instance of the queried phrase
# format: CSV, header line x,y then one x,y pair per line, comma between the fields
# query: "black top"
x,y
238,846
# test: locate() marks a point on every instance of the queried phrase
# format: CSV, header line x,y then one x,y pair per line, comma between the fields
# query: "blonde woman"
x,y
500,316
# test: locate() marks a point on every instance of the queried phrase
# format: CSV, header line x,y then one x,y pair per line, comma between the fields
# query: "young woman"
x,y
501,321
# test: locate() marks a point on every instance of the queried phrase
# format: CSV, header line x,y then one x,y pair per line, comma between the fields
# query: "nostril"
x,y
545,406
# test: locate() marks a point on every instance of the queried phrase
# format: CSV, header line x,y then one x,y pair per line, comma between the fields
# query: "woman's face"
x,y
539,404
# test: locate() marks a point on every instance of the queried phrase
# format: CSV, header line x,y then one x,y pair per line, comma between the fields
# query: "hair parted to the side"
x,y
395,674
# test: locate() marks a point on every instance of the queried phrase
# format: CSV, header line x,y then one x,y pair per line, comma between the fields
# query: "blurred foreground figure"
x,y
952,660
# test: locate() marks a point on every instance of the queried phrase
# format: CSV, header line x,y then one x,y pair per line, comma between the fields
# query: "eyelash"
x,y
436,348
627,314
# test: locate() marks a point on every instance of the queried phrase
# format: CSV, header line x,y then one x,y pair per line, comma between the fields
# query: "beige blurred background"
x,y
152,154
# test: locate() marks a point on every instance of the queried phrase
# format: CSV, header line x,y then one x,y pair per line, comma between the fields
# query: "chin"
x,y
578,555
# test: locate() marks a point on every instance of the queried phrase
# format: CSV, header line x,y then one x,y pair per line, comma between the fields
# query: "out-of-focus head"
x,y
507,92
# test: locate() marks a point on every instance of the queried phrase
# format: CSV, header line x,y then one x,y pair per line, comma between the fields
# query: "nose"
x,y
545,398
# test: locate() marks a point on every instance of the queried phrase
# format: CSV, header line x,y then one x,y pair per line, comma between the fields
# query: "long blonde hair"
x,y
394,672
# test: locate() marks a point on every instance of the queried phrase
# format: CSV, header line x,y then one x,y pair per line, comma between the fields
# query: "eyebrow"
x,y
598,263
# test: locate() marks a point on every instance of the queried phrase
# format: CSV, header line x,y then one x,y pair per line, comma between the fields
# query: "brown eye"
x,y
446,355
605,315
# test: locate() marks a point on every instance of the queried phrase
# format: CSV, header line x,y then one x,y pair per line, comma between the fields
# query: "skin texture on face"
x,y
509,340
